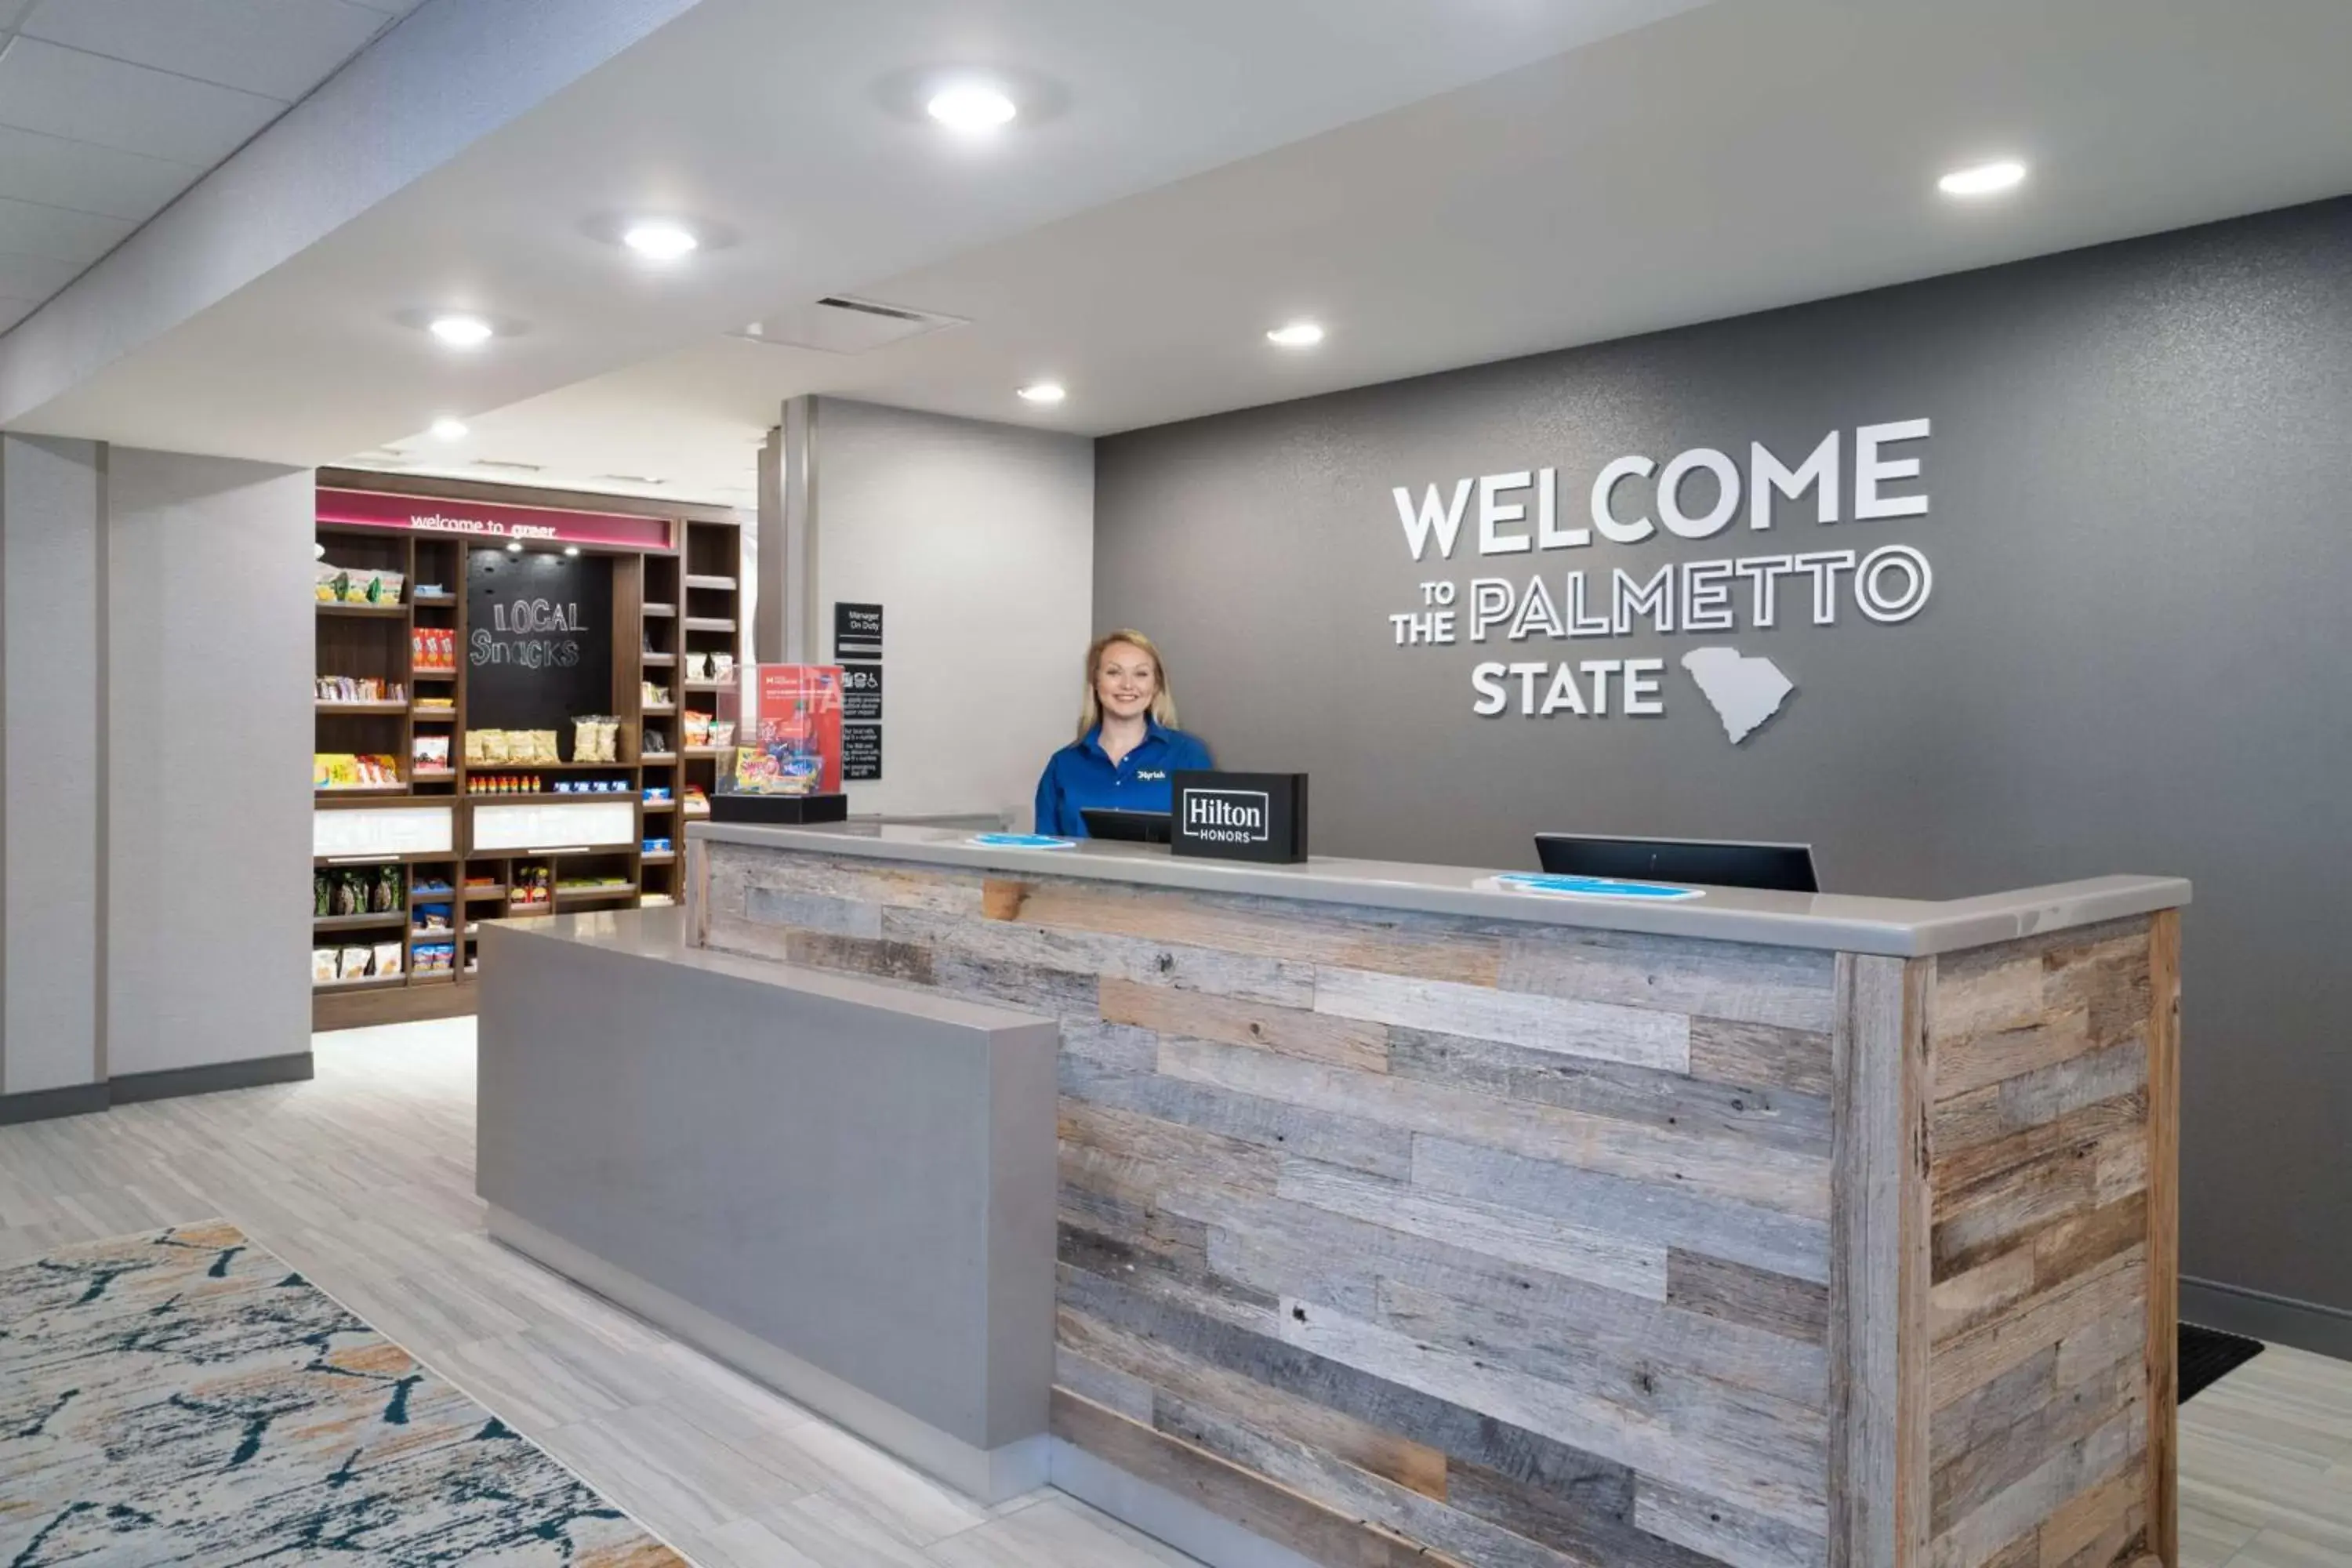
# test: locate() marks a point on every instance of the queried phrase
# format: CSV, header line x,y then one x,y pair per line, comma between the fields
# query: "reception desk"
x,y
1404,1219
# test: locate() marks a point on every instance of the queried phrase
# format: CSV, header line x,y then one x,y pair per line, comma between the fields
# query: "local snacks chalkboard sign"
x,y
539,640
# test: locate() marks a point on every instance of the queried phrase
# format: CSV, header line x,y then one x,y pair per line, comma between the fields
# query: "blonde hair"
x,y
1163,700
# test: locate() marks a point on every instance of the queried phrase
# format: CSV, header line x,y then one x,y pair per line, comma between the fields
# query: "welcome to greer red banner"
x,y
483,519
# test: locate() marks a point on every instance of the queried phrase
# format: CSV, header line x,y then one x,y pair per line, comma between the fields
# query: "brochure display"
x,y
783,722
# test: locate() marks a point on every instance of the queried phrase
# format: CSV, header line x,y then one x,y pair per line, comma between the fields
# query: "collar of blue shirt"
x,y
1152,731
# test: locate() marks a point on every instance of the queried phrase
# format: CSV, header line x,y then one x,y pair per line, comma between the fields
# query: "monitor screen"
x,y
1702,862
1132,827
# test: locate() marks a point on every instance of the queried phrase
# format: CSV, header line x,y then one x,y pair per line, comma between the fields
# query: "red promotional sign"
x,y
487,520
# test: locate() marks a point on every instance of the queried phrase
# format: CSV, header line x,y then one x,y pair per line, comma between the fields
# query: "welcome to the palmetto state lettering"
x,y
1889,584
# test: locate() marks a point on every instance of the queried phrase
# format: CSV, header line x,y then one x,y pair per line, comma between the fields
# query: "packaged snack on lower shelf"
x,y
697,803
432,888
658,901
346,769
657,794
434,958
432,917
322,965
430,752
387,960
433,650
697,727
357,964
595,737
657,847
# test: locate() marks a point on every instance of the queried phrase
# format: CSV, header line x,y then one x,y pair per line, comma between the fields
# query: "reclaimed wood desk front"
x,y
1407,1221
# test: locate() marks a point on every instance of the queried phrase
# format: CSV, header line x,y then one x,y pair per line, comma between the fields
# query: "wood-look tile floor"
x,y
2266,1466
364,1178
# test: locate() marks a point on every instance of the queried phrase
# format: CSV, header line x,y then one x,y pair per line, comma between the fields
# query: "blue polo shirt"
x,y
1079,775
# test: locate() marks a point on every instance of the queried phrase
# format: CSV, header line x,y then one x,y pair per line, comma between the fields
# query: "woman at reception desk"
x,y
1127,741
1408,1219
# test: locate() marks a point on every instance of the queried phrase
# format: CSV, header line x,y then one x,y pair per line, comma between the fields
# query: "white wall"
x,y
978,542
211,634
52,497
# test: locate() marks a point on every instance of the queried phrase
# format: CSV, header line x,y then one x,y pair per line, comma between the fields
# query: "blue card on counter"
x,y
1019,841
1557,887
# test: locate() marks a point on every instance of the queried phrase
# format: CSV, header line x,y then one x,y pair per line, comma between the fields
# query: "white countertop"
x,y
1906,928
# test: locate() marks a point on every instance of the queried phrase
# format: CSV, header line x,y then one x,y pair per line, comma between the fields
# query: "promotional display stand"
x,y
503,732
785,720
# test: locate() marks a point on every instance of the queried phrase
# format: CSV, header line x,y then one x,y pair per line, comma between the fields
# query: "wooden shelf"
x,y
541,798
432,674
372,982
705,580
399,707
657,858
358,923
660,610
438,977
660,660
657,805
434,601
706,685
431,934
593,895
379,612
709,624
433,775
482,895
433,715
707,751
657,759
334,790
666,713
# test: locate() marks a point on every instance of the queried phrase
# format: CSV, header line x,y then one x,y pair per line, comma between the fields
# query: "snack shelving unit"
x,y
670,601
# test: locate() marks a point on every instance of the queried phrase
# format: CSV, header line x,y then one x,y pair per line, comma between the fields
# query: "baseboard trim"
x,y
212,1078
990,1475
170,1083
46,1104
1164,1515
2258,1314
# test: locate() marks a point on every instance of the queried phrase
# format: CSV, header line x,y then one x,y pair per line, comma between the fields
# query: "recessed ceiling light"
x,y
1983,179
1045,392
462,331
514,546
446,428
659,240
969,106
571,550
1296,335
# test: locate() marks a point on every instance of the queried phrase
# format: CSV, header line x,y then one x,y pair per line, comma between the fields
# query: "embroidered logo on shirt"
x,y
1145,775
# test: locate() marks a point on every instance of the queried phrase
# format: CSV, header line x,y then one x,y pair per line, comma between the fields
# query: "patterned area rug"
x,y
185,1397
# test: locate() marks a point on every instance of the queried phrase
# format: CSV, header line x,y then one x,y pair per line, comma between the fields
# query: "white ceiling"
x,y
767,118
1729,158
1444,182
109,109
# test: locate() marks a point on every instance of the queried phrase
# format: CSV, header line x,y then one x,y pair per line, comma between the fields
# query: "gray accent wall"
x,y
211,633
2136,657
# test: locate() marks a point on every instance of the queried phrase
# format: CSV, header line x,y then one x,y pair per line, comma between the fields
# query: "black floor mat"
x,y
2207,1354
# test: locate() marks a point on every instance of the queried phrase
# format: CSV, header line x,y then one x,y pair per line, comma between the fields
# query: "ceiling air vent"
x,y
838,324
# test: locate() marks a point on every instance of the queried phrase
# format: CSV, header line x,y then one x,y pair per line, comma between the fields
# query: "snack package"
x,y
542,748
322,964
698,729
722,666
722,731
383,588
583,740
384,897
430,752
698,667
328,582
321,890
354,965
494,747
387,958
349,898
656,743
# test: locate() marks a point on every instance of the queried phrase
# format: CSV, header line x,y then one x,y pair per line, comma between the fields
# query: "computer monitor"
x,y
1705,862
1127,826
